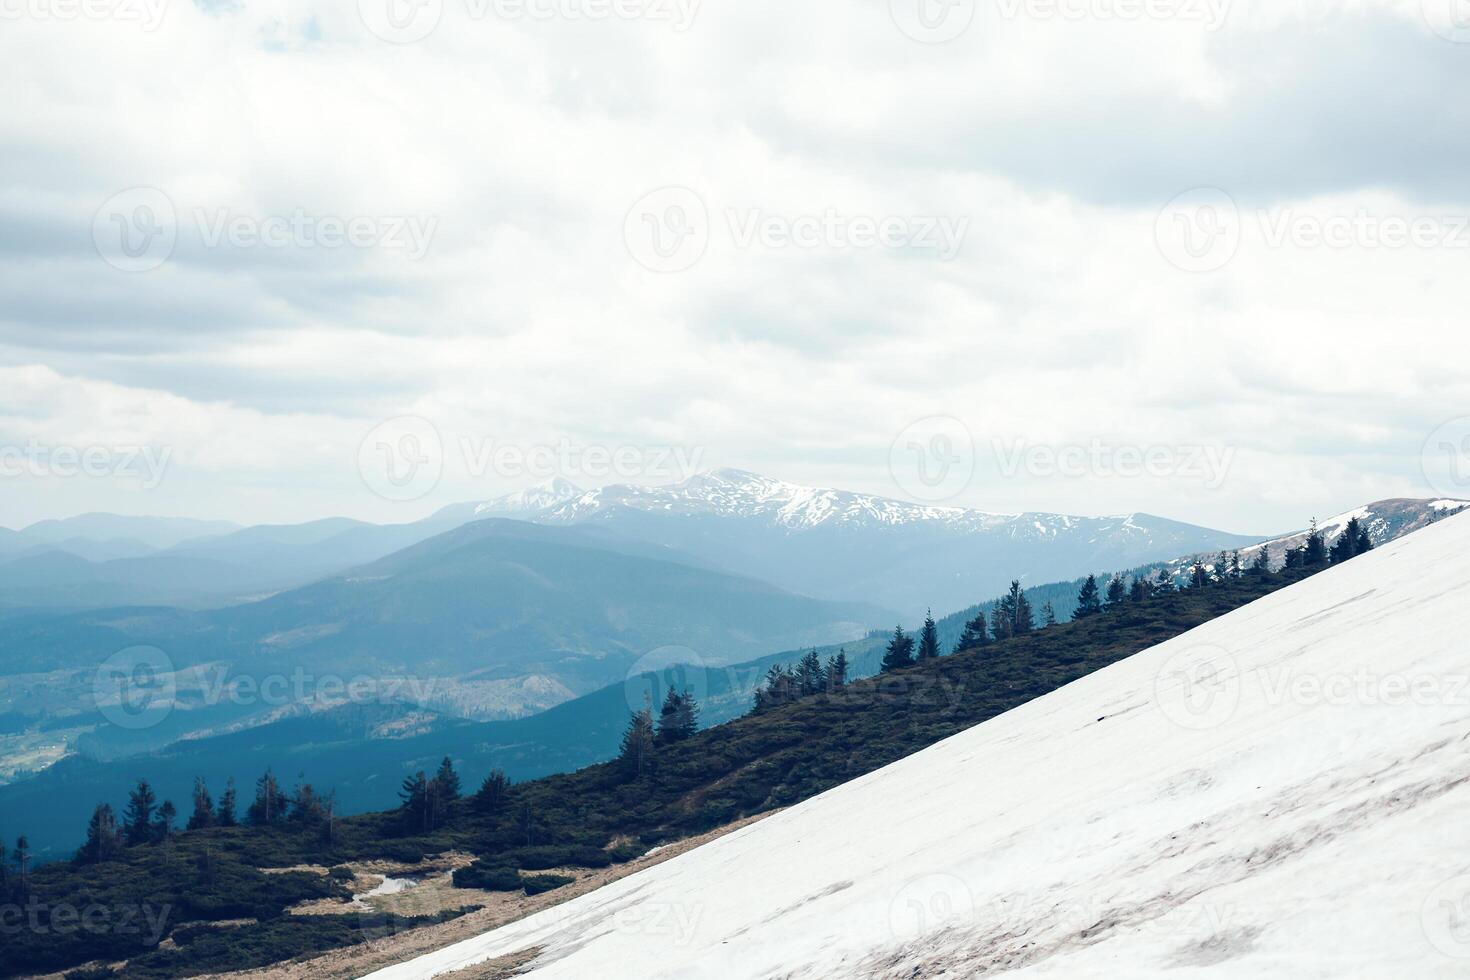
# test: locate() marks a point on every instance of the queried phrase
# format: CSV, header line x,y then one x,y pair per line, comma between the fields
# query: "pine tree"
x,y
1089,603
1198,577
1140,589
203,815
1261,564
447,781
163,824
678,719
138,823
929,638
837,671
414,803
810,678
1314,553
22,856
1117,591
225,814
269,806
306,806
1013,614
1163,582
900,652
1352,542
104,839
1236,570
780,688
1048,614
974,635
493,792
637,750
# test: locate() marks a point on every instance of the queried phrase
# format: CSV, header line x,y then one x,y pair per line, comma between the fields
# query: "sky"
x,y
273,261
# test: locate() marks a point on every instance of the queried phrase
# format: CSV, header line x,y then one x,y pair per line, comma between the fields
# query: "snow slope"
x,y
1281,792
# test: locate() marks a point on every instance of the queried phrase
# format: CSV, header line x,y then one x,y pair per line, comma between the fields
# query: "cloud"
x,y
262,349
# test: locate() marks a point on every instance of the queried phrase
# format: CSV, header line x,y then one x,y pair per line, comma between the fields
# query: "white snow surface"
x,y
1281,792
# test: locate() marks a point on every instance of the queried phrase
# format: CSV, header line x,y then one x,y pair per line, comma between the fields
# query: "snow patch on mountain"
x,y
1279,793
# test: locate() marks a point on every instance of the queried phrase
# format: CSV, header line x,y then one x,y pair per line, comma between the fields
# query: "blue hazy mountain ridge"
x,y
352,752
485,606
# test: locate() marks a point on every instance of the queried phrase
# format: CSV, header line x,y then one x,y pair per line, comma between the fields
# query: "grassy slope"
x,y
744,767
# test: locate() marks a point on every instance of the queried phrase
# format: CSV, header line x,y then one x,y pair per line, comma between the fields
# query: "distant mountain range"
x,y
841,545
493,619
831,544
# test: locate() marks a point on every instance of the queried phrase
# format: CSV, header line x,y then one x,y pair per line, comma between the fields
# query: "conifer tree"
x,y
1261,564
974,635
1089,603
900,652
493,792
446,781
837,671
636,752
306,806
1117,591
1163,582
203,814
1140,589
1198,577
810,678
163,824
22,855
1048,614
678,719
1352,542
269,806
415,803
224,814
1314,553
1013,613
929,638
138,823
104,839
780,688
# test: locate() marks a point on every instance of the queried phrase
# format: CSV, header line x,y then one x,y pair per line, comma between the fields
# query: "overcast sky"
x,y
271,261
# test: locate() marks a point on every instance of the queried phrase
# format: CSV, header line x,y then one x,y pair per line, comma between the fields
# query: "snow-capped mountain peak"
x,y
531,500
